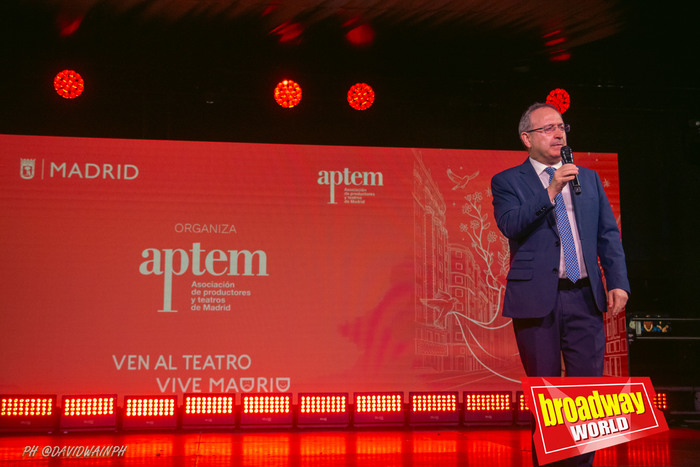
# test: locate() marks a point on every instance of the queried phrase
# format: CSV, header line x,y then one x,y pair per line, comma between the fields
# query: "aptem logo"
x,y
171,262
334,178
26,168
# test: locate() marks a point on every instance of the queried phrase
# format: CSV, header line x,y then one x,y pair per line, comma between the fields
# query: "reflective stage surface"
x,y
451,447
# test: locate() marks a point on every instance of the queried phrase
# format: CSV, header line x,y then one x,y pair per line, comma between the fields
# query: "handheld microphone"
x,y
567,156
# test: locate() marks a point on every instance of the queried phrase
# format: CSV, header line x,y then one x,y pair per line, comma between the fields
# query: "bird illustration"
x,y
442,303
460,182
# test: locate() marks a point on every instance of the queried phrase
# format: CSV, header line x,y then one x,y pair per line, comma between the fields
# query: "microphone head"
x,y
567,155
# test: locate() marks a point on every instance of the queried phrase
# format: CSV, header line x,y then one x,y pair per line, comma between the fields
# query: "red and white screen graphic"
x,y
175,267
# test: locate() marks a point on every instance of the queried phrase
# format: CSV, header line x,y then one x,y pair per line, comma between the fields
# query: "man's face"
x,y
542,147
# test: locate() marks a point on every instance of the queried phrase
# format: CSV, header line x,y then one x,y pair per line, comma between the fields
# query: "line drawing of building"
x,y
459,332
460,287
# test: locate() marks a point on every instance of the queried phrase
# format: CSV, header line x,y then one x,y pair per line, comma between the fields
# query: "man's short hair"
x,y
525,123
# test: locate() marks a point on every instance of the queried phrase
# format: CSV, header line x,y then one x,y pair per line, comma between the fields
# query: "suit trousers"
x,y
572,332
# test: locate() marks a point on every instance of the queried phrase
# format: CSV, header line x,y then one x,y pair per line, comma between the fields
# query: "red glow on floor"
x,y
454,447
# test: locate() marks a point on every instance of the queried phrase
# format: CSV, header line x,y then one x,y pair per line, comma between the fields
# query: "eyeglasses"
x,y
549,129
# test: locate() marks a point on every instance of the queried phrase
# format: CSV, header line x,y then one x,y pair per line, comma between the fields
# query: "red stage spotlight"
x,y
487,407
209,411
68,84
379,408
287,93
27,413
560,99
433,408
361,96
147,412
321,410
94,412
521,409
267,410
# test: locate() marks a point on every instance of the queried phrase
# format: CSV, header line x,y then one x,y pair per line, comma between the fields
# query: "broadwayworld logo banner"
x,y
579,415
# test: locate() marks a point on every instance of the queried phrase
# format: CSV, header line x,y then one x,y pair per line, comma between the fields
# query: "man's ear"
x,y
525,138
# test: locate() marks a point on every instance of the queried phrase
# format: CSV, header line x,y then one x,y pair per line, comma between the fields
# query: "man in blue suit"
x,y
557,313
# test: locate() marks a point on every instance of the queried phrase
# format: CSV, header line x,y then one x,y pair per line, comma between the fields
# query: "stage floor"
x,y
490,447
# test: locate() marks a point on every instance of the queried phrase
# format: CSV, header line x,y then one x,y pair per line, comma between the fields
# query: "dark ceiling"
x,y
435,60
598,42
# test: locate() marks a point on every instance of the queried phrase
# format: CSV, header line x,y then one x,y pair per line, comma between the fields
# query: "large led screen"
x,y
171,267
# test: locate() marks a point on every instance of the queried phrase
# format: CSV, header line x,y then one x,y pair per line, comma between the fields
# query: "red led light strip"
x,y
26,406
88,406
323,404
150,407
198,405
379,403
661,401
266,404
434,402
522,403
481,402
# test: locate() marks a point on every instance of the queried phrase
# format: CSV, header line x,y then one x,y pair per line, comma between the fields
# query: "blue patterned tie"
x,y
567,239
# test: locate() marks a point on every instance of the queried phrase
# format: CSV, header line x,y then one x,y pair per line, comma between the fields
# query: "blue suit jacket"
x,y
526,217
